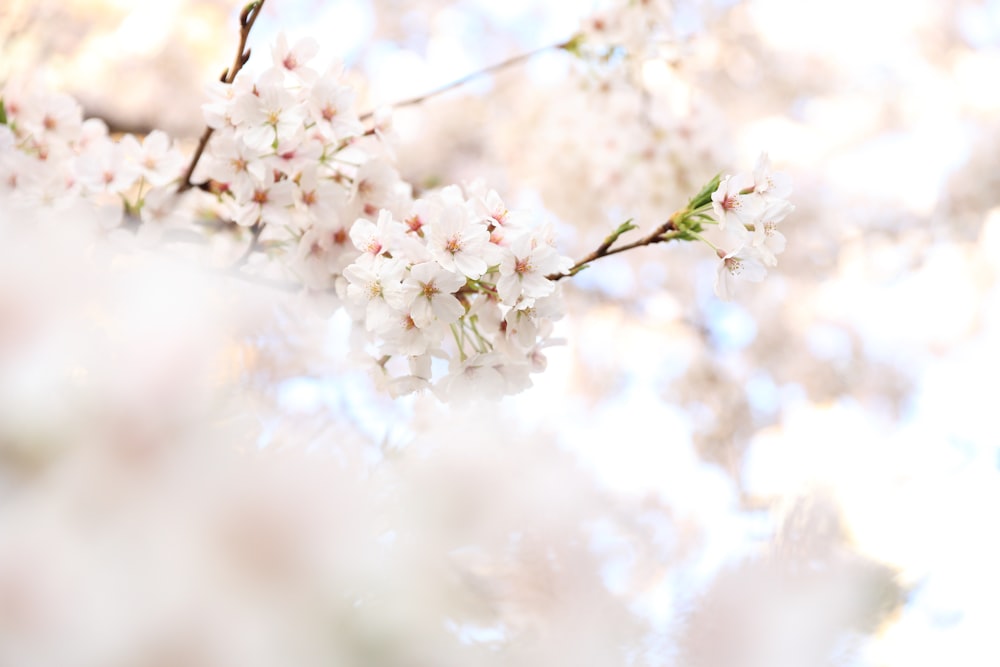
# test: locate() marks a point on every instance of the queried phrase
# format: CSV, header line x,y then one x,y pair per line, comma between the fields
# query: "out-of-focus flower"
x,y
158,161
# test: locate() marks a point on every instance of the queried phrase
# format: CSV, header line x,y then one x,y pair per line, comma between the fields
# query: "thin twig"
x,y
666,232
247,18
475,75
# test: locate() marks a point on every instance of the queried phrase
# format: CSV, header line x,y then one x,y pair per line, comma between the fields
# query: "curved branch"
x,y
247,18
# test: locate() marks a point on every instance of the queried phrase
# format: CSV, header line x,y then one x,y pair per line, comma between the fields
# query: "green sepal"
x,y
689,234
3,113
704,196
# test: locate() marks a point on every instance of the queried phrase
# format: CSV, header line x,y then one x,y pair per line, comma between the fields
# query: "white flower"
x,y
374,238
524,323
768,184
270,203
735,205
402,336
293,155
103,168
492,207
323,253
375,186
744,263
331,107
218,112
270,115
320,199
53,117
524,268
375,284
459,244
295,60
236,163
768,240
38,187
158,162
431,289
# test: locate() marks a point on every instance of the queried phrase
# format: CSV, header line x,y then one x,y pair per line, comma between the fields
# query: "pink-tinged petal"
x,y
509,288
447,308
471,265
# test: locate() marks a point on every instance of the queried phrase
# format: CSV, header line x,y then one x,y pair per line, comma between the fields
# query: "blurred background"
x,y
805,475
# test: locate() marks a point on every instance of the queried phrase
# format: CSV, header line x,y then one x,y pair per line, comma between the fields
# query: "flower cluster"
x,y
449,291
749,207
285,156
452,283
51,159
461,283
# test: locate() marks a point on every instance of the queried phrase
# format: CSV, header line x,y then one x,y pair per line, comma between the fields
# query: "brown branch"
x,y
568,44
247,18
666,232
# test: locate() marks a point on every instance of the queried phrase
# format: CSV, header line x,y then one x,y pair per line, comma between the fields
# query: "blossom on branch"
x,y
448,290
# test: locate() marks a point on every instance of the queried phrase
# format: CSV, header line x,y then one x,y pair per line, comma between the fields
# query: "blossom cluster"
x,y
448,290
463,281
451,284
283,157
51,159
749,207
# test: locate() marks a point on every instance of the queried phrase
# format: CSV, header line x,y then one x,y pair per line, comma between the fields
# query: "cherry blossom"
x,y
431,292
767,239
375,238
269,116
769,184
458,242
331,107
744,263
268,202
235,163
158,161
449,291
294,60
375,284
524,268
749,207
735,205
52,116
103,168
